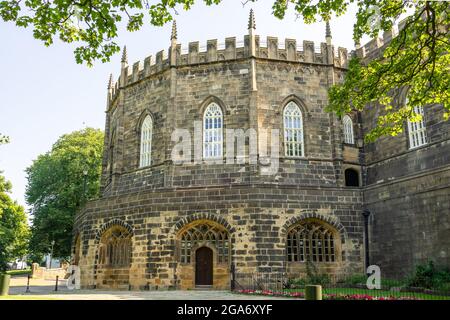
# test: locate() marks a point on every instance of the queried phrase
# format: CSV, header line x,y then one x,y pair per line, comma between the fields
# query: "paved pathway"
x,y
45,289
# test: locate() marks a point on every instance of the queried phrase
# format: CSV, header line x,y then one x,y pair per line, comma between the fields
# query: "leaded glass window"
x,y
146,142
213,132
417,130
311,241
293,131
115,248
348,130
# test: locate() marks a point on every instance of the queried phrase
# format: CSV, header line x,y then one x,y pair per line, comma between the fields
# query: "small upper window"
x,y
348,130
213,132
293,131
351,178
417,130
146,142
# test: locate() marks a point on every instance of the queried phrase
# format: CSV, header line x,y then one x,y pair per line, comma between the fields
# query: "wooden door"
x,y
204,267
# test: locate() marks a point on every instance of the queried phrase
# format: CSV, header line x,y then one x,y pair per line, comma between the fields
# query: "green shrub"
x,y
298,282
318,279
429,277
354,279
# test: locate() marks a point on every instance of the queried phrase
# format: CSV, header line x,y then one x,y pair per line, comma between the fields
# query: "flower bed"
x,y
325,296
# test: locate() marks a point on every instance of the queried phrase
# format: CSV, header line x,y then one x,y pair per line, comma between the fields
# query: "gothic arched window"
x,y
311,241
348,130
146,142
213,132
293,131
417,130
115,248
201,234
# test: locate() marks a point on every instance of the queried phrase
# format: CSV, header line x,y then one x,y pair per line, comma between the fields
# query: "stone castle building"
x,y
163,224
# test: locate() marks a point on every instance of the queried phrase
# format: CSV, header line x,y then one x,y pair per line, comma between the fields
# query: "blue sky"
x,y
44,93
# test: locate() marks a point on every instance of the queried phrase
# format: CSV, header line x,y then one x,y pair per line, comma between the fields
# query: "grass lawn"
x,y
378,293
18,272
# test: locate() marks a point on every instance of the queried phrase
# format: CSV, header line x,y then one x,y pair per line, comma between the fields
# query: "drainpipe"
x,y
233,277
366,214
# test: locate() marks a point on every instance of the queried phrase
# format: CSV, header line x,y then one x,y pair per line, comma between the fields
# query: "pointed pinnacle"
x,y
328,30
124,55
251,20
174,30
110,82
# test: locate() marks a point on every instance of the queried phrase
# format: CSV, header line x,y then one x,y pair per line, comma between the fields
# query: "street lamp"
x,y
366,214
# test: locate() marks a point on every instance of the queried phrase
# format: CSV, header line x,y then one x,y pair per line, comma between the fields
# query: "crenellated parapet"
x,y
251,46
371,50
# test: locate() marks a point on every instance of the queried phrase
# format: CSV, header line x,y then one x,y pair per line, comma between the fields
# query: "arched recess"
x,y
114,248
194,233
313,240
332,221
111,223
299,101
144,114
202,216
351,177
212,99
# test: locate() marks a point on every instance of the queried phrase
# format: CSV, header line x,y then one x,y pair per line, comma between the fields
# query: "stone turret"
x,y
124,59
124,67
110,82
173,35
328,33
251,20
252,47
173,44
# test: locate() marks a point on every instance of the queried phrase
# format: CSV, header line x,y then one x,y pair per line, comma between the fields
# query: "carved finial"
x,y
124,55
174,30
251,20
328,30
328,33
110,82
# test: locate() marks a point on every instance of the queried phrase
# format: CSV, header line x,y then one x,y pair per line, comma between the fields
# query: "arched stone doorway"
x,y
204,255
204,267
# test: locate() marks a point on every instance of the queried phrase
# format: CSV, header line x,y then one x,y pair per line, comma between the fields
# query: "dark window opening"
x,y
351,178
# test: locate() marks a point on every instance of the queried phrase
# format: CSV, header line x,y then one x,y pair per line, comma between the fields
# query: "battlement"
x,y
371,50
270,48
251,46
